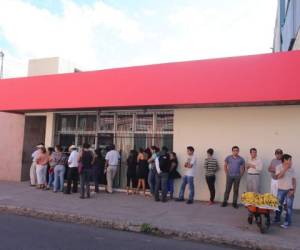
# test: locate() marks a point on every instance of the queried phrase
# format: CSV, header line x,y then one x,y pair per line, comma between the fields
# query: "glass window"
x,y
144,123
66,141
142,141
105,139
124,122
87,123
67,123
90,139
106,122
164,122
164,140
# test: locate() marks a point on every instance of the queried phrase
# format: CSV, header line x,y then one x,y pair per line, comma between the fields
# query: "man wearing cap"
x,y
72,175
33,176
272,169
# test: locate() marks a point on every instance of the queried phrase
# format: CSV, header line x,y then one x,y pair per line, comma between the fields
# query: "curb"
x,y
203,236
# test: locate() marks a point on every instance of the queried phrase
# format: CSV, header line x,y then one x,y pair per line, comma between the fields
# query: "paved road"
x,y
18,232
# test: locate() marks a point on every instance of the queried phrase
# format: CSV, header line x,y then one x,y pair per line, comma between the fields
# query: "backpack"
x,y
164,163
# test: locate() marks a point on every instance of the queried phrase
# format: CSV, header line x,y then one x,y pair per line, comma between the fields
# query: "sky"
x,y
99,34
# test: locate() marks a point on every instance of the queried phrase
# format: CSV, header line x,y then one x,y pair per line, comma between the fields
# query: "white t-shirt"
x,y
73,159
35,155
112,157
285,183
258,164
191,171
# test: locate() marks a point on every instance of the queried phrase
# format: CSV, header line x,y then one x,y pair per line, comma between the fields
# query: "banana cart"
x,y
260,207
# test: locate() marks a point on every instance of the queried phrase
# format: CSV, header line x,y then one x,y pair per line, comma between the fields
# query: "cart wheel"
x,y
250,219
263,223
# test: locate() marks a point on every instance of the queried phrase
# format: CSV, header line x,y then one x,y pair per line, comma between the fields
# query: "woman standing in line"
x,y
131,171
50,169
86,161
173,173
142,170
60,159
98,168
41,168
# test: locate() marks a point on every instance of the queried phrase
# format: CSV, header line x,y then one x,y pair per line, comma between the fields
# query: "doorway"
x,y
34,133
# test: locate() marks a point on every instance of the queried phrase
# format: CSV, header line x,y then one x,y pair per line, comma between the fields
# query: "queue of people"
x,y
157,169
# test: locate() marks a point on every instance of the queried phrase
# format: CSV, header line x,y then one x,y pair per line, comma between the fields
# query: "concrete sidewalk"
x,y
136,213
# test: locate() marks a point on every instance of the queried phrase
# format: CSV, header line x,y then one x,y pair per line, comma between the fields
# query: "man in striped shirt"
x,y
211,167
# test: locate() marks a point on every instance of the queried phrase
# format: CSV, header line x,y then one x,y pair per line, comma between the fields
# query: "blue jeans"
x,y
187,180
282,195
151,180
59,173
51,180
171,186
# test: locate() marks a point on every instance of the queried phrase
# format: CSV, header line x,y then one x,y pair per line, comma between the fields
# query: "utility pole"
x,y
1,67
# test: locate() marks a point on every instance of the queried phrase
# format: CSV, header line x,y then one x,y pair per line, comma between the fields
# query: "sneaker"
x,y
224,204
189,202
284,225
180,200
210,203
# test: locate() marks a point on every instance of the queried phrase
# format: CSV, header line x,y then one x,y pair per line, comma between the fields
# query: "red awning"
x,y
267,78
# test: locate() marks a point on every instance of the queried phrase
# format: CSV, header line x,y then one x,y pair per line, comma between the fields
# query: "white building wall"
x,y
265,128
49,66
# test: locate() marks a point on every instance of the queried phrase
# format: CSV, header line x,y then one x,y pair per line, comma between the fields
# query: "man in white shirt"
x,y
112,162
33,176
72,175
188,178
286,177
254,167
272,169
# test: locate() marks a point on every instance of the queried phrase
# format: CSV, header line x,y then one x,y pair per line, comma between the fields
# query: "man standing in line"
x,y
72,175
272,169
254,167
234,169
286,177
112,162
33,176
152,169
188,178
162,165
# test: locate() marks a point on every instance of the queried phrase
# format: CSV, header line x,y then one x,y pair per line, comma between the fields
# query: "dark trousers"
x,y
235,181
210,180
72,178
161,181
131,179
96,178
85,177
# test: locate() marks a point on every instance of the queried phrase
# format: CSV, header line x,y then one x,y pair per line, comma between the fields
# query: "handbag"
x,y
80,167
177,175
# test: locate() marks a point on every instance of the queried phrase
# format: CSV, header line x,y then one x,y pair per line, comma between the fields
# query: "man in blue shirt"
x,y
234,169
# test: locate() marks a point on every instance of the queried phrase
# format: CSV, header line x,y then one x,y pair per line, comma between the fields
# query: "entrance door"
x,y
35,129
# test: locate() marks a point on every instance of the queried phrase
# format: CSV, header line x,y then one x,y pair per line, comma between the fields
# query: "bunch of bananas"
x,y
261,200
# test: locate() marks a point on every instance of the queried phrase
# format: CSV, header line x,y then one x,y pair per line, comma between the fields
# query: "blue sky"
x,y
97,34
